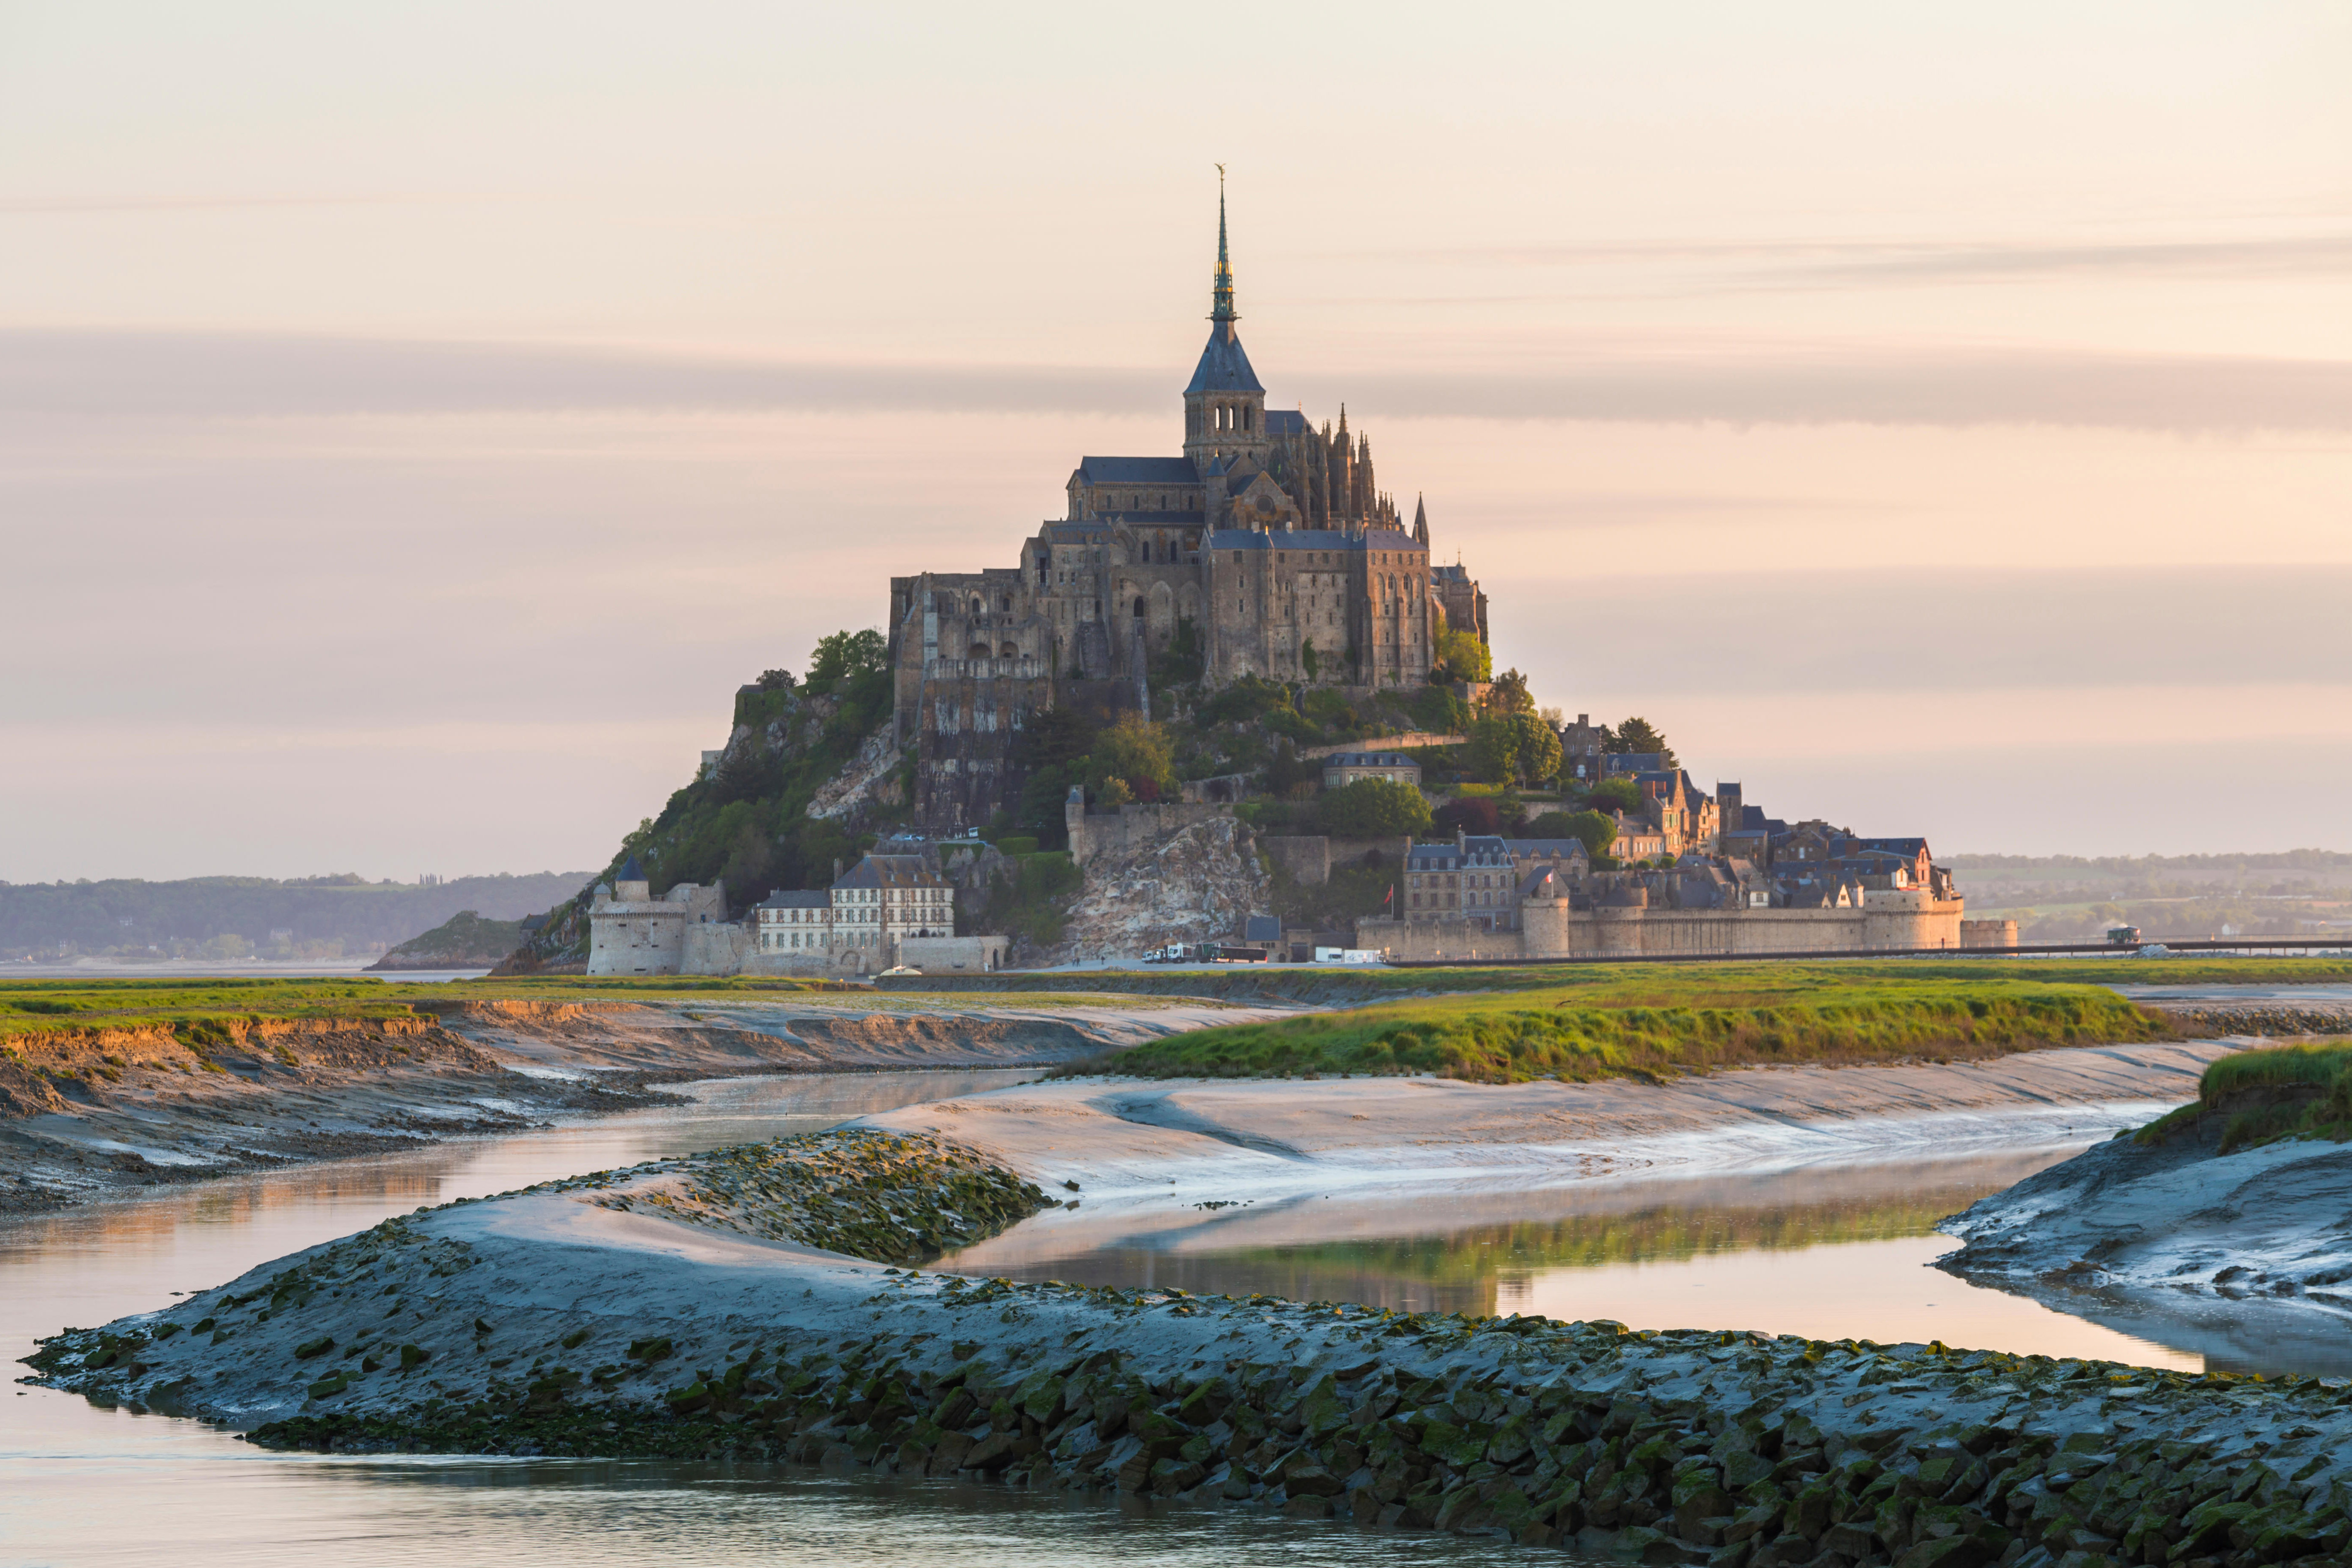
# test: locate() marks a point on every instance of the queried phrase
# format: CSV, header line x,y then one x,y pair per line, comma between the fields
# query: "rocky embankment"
x,y
583,1318
1194,884
2236,1254
2266,1020
90,1114
85,1114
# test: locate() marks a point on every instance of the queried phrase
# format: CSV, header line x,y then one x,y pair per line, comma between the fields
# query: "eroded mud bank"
x,y
582,1318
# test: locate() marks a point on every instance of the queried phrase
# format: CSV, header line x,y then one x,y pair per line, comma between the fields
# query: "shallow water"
x,y
1822,1252
1826,1253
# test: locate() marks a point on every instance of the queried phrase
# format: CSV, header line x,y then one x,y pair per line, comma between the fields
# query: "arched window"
x,y
1139,607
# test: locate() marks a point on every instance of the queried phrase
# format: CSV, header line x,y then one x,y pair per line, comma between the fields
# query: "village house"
x,y
1345,768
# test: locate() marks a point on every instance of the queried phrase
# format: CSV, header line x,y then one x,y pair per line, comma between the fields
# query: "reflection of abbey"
x,y
1266,549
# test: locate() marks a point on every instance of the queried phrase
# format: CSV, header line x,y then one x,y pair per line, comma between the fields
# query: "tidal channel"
x,y
1825,1254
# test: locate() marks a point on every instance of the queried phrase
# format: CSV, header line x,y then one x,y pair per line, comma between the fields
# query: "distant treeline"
x,y
2309,860
131,917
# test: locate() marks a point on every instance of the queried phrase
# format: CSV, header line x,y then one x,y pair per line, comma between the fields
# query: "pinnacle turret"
x,y
1221,293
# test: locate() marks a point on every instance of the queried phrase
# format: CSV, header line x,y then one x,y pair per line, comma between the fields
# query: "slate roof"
x,y
800,898
1262,928
891,871
1138,472
1548,848
1286,422
1224,366
630,871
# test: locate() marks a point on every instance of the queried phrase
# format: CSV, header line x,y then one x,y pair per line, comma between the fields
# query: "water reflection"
x,y
1829,1254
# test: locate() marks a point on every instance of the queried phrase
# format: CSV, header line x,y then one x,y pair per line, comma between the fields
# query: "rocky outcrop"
x,y
579,1317
871,779
466,940
1197,883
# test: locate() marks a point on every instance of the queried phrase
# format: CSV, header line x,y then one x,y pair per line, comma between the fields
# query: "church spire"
x,y
1222,294
1419,521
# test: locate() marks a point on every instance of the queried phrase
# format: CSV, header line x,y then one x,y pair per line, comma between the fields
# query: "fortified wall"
x,y
1097,833
1890,921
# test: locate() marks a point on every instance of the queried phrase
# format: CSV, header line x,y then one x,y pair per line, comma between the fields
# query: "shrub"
x,y
1371,808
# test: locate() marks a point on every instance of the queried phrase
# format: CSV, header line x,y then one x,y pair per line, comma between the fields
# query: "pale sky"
x,y
416,420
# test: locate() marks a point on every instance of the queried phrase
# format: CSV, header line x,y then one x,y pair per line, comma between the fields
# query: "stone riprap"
x,y
2269,1020
887,1197
555,1322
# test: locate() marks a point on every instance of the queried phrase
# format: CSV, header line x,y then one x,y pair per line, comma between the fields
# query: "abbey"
x,y
1265,549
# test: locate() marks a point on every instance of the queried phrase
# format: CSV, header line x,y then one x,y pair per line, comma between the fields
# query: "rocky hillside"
x,y
1194,884
806,773
465,940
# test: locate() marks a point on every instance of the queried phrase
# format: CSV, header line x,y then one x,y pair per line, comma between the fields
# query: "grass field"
x,y
1654,1023
1372,982
2284,1091
42,1006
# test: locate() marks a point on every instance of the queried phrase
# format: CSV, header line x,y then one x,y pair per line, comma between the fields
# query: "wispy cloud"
x,y
1698,266
71,206
231,375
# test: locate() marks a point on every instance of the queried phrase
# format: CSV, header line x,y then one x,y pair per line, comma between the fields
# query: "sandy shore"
x,y
1141,1149
85,1120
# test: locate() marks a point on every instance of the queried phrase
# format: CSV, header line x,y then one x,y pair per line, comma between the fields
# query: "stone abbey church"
x,y
1267,548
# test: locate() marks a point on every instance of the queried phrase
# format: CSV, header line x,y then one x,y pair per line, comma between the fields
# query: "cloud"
x,y
67,206
1910,632
232,374
1834,263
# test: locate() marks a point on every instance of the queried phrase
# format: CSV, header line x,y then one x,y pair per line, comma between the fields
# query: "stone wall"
x,y
1906,922
1096,833
1988,933
1306,858
945,954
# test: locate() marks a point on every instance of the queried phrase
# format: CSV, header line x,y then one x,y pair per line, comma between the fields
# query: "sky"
x,y
416,420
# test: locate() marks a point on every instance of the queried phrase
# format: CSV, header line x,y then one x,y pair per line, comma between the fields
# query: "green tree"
x,y
1311,661
1597,831
1374,808
1461,657
1289,770
1182,663
1039,812
1638,737
1053,738
1510,694
1136,752
1506,748
1615,794
844,657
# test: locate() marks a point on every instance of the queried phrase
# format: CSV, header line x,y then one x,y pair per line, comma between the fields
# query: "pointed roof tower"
x,y
1224,366
1221,292
1420,521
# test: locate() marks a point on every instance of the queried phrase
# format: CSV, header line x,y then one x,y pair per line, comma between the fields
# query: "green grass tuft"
x,y
2261,1096
1578,1034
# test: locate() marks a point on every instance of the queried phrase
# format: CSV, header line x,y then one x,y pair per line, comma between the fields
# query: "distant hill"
x,y
465,940
243,917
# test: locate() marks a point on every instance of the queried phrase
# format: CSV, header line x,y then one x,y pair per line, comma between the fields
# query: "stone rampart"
x,y
1305,858
1908,922
1094,834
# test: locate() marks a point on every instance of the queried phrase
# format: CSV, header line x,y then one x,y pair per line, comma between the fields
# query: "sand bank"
x,y
85,1117
1170,1144
577,1318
